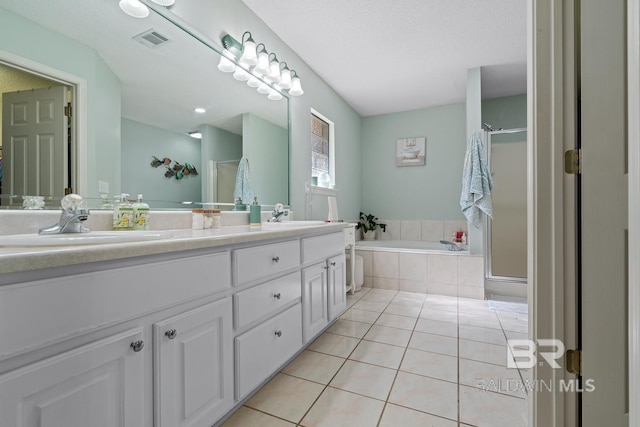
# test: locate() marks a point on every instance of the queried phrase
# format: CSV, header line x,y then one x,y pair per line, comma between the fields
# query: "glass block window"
x,y
319,146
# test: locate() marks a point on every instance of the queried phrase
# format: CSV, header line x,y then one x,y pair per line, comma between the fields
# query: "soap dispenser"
x,y
255,210
141,214
123,214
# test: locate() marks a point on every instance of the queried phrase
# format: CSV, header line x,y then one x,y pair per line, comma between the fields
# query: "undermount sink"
x,y
91,238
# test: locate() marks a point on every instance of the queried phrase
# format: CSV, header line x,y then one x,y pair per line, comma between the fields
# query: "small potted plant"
x,y
369,224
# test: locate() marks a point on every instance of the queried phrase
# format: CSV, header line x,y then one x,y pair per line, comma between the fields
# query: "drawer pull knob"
x,y
333,264
278,333
276,258
137,345
277,296
171,334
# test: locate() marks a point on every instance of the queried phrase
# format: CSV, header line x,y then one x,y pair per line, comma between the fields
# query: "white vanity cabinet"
x,y
100,385
176,352
323,282
193,366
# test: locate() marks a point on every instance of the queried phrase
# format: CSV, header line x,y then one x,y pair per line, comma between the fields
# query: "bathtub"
x,y
423,267
407,246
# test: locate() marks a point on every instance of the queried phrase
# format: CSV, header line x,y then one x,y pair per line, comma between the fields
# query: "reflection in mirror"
x,y
136,99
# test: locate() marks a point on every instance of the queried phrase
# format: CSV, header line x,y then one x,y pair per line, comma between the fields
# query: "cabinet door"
x,y
337,287
314,300
193,368
99,385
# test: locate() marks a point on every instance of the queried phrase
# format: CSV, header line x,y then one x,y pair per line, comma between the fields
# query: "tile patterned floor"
x,y
400,359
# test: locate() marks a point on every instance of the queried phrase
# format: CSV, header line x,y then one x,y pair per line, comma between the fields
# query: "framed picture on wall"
x,y
411,151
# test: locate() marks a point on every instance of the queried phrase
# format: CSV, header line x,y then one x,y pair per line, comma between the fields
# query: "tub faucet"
x,y
278,212
71,218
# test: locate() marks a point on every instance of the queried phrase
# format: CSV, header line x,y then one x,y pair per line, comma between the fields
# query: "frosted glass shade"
x,y
296,87
263,64
249,56
253,81
134,8
264,88
226,65
274,95
240,75
285,79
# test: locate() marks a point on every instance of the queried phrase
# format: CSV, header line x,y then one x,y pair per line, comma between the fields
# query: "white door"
x,y
194,366
314,300
98,385
336,288
604,213
35,143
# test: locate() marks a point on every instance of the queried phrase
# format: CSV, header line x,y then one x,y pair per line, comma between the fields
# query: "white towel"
x,y
476,183
243,188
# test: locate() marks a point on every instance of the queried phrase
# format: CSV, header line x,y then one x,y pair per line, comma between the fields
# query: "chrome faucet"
x,y
71,218
278,212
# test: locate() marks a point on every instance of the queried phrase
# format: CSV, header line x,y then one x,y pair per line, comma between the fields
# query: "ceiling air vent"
x,y
151,38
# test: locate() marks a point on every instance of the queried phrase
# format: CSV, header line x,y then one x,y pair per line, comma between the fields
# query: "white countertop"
x,y
19,259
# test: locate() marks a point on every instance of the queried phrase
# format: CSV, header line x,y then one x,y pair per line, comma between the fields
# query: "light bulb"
x,y
263,64
253,81
240,74
226,65
274,73
274,95
134,8
249,56
263,88
285,80
296,87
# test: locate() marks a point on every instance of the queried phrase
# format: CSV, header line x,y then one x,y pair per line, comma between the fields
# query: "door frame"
x,y
78,160
633,138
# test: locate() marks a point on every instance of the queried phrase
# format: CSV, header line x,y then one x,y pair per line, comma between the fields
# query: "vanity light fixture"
x,y
195,134
260,69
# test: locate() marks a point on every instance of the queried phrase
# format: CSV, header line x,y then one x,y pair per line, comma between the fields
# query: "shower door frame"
x,y
501,285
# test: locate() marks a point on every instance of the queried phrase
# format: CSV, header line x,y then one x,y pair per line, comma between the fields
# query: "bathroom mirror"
x,y
136,97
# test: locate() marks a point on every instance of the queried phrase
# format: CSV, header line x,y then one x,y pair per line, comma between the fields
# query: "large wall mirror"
x,y
134,85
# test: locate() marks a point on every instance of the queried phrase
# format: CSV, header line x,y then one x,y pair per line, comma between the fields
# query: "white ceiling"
x,y
385,56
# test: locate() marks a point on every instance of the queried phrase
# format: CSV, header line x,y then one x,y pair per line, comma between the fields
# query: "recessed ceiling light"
x,y
200,110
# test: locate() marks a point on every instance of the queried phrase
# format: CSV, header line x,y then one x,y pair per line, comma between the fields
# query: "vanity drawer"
x,y
263,349
259,301
321,247
265,261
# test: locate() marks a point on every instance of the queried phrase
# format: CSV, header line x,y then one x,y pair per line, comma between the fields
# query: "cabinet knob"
x,y
137,345
278,333
333,264
277,296
276,258
171,334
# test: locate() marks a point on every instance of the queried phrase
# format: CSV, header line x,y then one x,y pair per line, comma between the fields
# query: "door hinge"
x,y
572,162
573,361
68,190
68,110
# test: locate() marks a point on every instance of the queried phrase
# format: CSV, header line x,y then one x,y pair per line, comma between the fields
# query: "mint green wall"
x,y
205,16
219,145
103,90
509,112
414,192
267,142
139,143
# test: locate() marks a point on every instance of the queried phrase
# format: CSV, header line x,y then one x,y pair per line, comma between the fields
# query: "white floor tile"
x,y
483,352
396,416
388,356
360,315
488,335
370,305
484,408
365,379
349,328
338,408
387,335
432,365
335,345
434,343
425,394
314,366
395,321
437,327
245,416
402,310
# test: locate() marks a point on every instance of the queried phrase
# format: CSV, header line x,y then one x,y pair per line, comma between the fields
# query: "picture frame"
x,y
411,151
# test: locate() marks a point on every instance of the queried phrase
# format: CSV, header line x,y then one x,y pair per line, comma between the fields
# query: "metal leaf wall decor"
x,y
174,168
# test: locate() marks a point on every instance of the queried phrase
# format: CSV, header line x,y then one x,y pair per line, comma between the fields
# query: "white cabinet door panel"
x,y
193,366
337,288
314,300
99,385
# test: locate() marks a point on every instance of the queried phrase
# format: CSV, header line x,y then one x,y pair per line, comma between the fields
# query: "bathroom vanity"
x,y
170,332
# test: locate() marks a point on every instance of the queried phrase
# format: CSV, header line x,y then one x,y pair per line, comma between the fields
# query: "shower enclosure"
x,y
506,234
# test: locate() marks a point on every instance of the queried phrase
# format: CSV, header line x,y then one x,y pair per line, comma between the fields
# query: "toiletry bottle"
x,y
141,214
464,238
254,213
123,214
